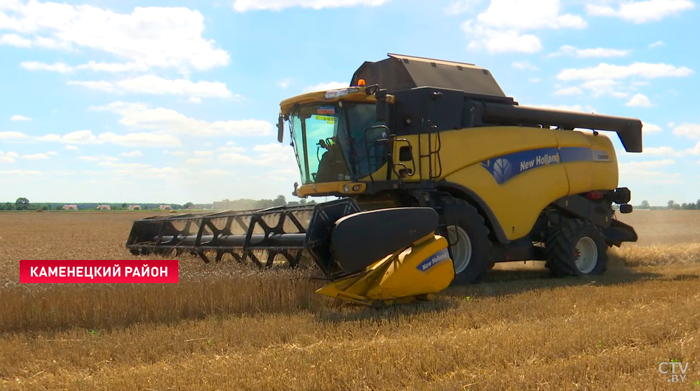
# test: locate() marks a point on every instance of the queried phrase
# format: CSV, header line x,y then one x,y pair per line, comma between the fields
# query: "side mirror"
x,y
382,106
280,128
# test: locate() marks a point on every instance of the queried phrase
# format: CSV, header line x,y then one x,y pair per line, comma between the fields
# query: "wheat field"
x,y
224,327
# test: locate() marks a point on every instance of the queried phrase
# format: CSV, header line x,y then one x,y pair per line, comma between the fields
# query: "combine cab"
x,y
440,175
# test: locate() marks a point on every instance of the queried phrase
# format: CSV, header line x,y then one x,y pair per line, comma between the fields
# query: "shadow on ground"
x,y
503,281
506,282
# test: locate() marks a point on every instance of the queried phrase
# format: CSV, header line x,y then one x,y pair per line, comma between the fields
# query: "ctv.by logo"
x,y
676,369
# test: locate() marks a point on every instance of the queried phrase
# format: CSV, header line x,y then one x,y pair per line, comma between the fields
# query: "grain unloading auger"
x,y
411,135
372,257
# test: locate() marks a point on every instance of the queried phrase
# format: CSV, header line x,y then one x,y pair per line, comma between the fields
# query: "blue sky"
x,y
125,101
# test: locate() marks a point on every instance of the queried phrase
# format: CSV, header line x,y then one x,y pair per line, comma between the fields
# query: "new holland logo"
x,y
507,167
502,170
433,260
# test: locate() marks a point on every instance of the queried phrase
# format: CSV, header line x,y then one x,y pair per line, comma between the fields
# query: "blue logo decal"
x,y
433,260
575,154
504,168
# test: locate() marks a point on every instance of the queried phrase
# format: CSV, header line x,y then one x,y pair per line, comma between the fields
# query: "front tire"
x,y
469,241
576,247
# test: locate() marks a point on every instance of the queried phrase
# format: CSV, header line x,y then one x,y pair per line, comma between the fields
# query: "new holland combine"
x,y
439,175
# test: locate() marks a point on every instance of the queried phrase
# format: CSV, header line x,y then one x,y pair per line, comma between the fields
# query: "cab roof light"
x,y
341,92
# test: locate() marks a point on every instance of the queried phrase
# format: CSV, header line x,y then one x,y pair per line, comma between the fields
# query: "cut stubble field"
x,y
226,327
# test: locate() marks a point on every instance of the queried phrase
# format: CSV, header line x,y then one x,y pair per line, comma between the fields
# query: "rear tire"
x,y
469,238
576,247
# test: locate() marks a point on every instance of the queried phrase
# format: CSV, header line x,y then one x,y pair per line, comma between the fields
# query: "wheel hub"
x,y
586,255
461,248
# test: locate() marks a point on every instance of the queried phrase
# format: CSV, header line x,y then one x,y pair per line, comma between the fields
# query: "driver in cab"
x,y
332,165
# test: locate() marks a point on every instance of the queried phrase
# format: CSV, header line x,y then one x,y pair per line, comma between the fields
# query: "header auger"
x,y
440,175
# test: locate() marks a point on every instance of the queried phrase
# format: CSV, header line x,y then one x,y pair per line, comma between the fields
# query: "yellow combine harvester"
x,y
439,174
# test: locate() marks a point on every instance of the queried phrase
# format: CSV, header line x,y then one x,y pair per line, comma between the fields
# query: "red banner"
x,y
99,272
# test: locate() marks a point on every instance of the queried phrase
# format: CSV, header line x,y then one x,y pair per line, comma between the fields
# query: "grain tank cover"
x,y
400,72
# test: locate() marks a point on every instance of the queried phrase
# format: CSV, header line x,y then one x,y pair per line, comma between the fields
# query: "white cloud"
x,y
524,65
647,164
641,11
601,52
216,172
8,157
194,99
101,158
42,42
269,155
568,91
284,83
671,124
534,80
665,151
514,13
147,171
650,128
141,116
661,151
647,171
12,136
50,43
127,140
616,72
656,44
40,66
499,41
165,37
589,53
460,6
236,158
132,154
15,40
639,100
18,117
151,84
326,86
600,87
61,67
36,156
694,150
204,153
124,166
231,147
175,153
503,26
277,5
20,172
197,160
71,147
691,131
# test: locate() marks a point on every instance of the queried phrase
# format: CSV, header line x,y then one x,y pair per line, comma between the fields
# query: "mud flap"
x,y
619,232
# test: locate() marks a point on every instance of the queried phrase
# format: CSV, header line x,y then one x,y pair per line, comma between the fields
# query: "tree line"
x,y
23,203
672,205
